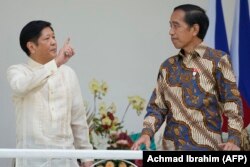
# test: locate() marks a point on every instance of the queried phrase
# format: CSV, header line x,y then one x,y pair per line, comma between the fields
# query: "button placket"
x,y
51,103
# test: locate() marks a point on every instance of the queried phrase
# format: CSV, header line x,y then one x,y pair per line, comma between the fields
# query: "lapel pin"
x,y
195,70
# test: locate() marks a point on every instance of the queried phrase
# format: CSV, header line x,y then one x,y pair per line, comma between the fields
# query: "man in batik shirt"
x,y
193,89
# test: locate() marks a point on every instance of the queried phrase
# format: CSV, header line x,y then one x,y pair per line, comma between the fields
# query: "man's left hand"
x,y
229,146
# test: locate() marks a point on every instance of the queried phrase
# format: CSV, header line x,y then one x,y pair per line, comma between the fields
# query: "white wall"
x,y
122,42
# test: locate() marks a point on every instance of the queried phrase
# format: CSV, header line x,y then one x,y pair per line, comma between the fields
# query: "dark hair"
x,y
195,15
31,32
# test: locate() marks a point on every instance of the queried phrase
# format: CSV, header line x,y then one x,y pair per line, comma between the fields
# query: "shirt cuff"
x,y
235,141
147,131
234,137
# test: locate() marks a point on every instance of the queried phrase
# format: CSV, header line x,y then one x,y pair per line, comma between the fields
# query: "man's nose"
x,y
53,41
171,31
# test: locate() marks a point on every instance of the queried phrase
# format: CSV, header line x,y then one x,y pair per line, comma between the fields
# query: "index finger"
x,y
67,41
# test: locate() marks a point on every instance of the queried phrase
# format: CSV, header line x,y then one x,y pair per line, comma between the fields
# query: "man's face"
x,y
181,33
46,48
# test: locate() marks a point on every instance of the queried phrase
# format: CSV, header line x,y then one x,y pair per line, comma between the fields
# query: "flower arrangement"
x,y
120,140
137,103
114,163
106,122
106,129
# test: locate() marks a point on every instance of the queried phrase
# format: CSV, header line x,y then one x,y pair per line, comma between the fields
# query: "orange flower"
x,y
110,164
122,164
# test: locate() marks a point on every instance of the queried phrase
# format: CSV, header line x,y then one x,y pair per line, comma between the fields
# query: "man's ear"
x,y
196,29
32,47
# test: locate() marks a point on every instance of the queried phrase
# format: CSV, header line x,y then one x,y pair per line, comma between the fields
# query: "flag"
x,y
240,54
216,35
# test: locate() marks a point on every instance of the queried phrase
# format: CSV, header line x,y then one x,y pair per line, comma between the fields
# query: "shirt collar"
x,y
33,63
199,50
